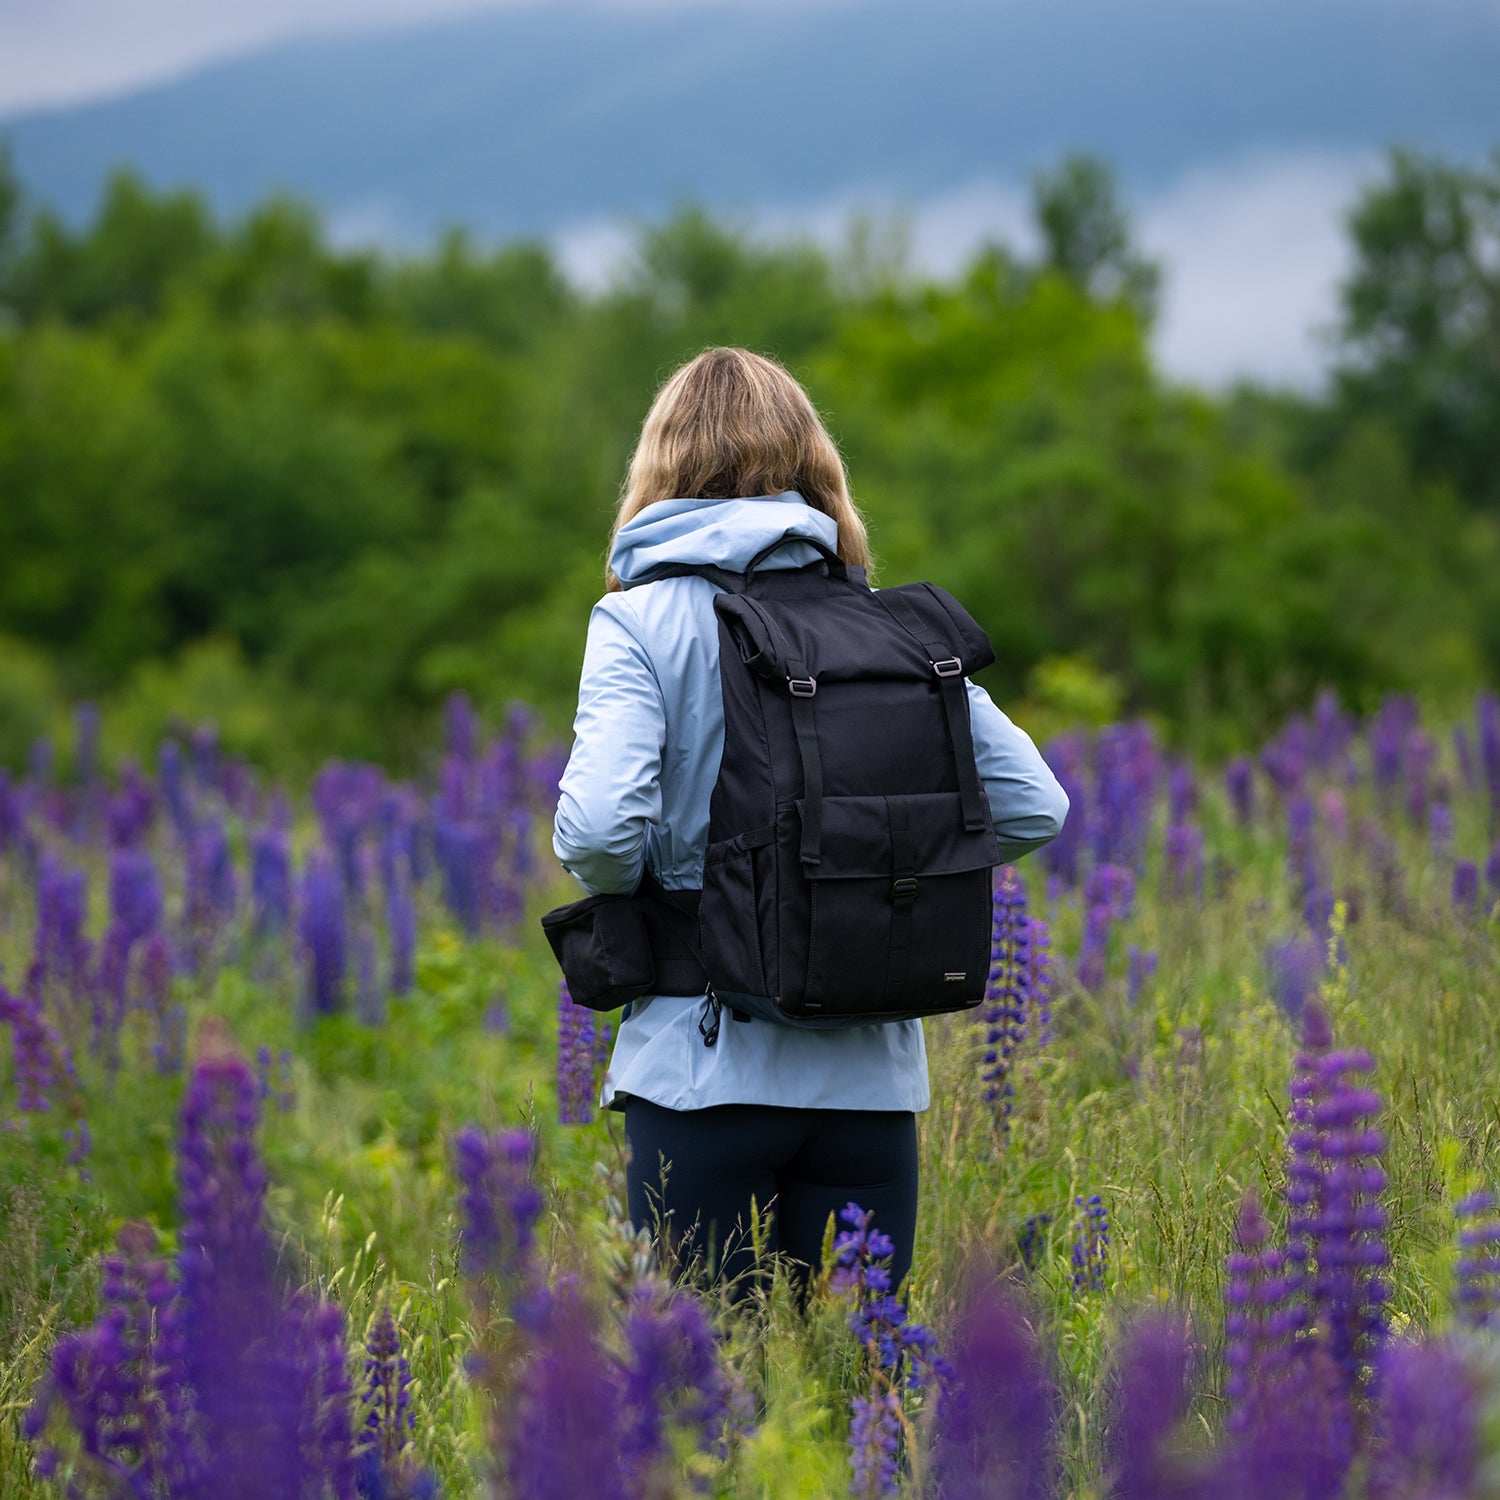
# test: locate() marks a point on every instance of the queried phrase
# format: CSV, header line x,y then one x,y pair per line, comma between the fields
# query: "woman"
x,y
731,457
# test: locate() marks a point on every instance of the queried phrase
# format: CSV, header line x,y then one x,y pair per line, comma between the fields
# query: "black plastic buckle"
x,y
904,889
802,687
950,666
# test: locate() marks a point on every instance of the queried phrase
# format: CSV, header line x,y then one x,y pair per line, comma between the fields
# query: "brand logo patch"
x,y
955,978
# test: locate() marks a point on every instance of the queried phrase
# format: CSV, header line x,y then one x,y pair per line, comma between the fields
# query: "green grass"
x,y
1171,1109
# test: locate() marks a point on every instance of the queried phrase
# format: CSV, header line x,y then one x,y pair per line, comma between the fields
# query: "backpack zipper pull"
x,y
709,1029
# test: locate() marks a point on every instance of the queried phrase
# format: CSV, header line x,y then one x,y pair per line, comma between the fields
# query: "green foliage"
x,y
373,478
1421,315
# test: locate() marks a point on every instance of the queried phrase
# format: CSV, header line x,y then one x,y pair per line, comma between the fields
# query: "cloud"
x,y
56,52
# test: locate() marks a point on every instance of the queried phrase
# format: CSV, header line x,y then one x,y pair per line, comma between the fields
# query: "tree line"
x,y
311,490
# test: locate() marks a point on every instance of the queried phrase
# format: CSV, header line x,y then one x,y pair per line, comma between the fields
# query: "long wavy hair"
x,y
731,423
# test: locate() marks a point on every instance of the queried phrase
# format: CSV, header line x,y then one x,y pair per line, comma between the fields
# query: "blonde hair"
x,y
731,423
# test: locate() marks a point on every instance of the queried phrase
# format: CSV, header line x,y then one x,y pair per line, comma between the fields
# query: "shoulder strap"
x,y
949,669
732,583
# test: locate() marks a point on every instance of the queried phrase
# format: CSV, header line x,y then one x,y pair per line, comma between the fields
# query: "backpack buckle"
x,y
904,889
950,666
802,687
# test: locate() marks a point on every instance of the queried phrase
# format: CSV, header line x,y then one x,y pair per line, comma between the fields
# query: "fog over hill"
x,y
567,118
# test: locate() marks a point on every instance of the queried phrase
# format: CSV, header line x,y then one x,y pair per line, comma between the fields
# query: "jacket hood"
x,y
726,533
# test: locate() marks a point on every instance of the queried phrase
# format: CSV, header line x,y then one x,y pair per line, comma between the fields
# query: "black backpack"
x,y
847,878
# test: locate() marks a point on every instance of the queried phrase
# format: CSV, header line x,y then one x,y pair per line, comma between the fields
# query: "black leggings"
x,y
802,1164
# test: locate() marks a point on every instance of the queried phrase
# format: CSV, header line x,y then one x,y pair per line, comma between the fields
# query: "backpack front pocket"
x,y
898,910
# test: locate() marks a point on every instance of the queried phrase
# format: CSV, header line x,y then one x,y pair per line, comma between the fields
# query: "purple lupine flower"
x,y
120,1383
42,1063
1112,886
1336,1226
389,1419
1039,979
893,1346
1032,1240
1155,1386
1067,757
1428,1434
575,1059
1091,1246
133,810
315,1329
1417,763
564,1439
1094,947
672,1378
1296,968
211,891
1284,760
324,935
1006,993
270,882
1182,792
874,1446
1263,1317
347,799
1466,886
247,1370
1140,968
1389,731
154,995
463,852
1477,1271
174,792
134,894
1440,830
1239,782
500,1201
1331,730
62,907
1127,765
1183,855
1304,869
877,1317
994,1435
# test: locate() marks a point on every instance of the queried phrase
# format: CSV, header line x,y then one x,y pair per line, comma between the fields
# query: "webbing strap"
x,y
903,895
949,670
803,690
731,583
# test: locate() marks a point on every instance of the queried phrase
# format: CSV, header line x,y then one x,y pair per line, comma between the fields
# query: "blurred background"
x,y
1165,333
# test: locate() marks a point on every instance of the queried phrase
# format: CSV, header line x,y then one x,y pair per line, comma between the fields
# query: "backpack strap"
x,y
803,688
731,583
949,669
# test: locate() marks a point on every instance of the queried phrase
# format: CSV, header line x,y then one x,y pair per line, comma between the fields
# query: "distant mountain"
x,y
530,119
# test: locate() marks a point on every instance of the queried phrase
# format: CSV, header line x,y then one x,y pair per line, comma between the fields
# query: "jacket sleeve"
x,y
611,790
1026,801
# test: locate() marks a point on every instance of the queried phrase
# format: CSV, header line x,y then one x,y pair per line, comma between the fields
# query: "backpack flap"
x,y
898,908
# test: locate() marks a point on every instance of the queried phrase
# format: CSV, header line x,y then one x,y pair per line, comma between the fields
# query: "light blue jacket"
x,y
647,742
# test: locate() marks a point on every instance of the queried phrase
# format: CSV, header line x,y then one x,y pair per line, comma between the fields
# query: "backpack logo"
x,y
955,978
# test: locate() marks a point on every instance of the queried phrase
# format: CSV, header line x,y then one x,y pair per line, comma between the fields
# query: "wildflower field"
x,y
303,1191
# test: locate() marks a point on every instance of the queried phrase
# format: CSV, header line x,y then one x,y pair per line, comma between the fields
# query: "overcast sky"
x,y
63,51
1253,249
